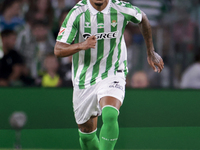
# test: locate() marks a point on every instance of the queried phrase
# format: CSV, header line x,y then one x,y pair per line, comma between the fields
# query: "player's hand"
x,y
155,60
89,43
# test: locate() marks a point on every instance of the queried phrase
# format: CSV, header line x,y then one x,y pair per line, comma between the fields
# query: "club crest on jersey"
x,y
114,23
99,36
62,31
87,25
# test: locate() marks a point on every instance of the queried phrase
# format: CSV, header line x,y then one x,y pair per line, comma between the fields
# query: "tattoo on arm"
x,y
145,28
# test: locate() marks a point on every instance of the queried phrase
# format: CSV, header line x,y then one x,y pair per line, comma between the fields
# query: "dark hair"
x,y
6,33
6,4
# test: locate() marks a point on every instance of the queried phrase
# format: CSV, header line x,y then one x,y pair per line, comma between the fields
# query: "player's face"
x,y
98,2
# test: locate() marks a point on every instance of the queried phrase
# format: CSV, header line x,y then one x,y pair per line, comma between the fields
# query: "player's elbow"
x,y
57,51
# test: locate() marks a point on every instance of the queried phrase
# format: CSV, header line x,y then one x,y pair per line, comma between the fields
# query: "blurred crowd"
x,y
29,29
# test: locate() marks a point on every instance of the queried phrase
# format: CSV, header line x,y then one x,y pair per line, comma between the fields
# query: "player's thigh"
x,y
108,100
89,126
112,92
86,108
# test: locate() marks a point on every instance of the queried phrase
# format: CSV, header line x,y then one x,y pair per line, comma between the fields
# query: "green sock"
x,y
89,141
110,130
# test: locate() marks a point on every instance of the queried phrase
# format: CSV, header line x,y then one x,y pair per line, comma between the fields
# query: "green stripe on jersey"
x,y
114,19
87,57
76,57
74,29
84,2
64,24
125,68
132,18
119,46
100,48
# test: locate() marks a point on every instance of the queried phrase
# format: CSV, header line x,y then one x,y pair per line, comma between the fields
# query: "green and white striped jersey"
x,y
93,65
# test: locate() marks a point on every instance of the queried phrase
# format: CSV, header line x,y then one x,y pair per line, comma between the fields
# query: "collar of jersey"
x,y
94,11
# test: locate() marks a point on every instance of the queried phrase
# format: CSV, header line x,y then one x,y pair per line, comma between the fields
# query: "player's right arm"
x,y
63,49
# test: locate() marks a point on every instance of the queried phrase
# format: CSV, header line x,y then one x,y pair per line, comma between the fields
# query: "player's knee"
x,y
87,136
85,129
89,126
109,115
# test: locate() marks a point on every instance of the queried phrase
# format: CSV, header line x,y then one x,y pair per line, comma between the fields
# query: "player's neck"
x,y
99,8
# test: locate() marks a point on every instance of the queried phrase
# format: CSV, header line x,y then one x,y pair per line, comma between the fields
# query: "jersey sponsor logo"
x,y
62,31
114,23
99,36
87,25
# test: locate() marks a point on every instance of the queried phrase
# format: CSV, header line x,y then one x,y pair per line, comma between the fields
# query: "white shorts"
x,y
86,101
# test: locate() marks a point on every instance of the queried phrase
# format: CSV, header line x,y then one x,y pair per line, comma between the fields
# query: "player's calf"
x,y
89,141
110,129
87,133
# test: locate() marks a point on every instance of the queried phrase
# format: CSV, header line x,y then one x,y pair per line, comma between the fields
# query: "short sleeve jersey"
x,y
110,55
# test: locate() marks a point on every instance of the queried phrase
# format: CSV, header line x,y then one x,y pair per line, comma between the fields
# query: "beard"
x,y
98,4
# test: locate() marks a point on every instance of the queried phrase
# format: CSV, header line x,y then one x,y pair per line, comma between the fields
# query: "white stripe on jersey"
x,y
128,11
81,53
68,28
124,55
119,28
93,51
102,67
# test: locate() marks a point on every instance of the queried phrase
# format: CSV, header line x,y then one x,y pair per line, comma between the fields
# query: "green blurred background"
x,y
149,119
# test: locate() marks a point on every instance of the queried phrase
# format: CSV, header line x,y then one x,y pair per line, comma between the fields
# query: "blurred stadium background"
x,y
160,112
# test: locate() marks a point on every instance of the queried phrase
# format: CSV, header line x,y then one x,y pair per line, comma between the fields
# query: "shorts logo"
x,y
99,36
116,84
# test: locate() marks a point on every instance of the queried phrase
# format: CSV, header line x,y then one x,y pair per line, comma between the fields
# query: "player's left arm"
x,y
153,58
